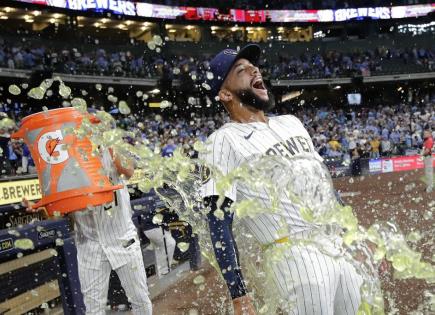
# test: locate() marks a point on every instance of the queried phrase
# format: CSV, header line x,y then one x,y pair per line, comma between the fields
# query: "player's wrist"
x,y
244,305
238,296
242,299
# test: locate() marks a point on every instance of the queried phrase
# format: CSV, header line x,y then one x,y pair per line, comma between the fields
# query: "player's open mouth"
x,y
258,84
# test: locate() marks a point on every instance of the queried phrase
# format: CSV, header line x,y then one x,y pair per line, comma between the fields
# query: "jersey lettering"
x,y
290,147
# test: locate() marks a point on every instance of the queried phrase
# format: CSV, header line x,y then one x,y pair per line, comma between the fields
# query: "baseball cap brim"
x,y
250,52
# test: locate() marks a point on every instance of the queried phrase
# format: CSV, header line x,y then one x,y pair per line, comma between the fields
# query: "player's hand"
x,y
28,205
243,306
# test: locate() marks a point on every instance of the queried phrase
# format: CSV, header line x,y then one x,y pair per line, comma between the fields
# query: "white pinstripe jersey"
x,y
109,225
235,143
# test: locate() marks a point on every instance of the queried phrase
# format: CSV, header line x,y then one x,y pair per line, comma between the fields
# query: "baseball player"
x,y
106,240
315,282
428,160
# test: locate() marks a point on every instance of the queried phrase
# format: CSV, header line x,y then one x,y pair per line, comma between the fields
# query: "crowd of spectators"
x,y
369,132
344,134
332,63
328,64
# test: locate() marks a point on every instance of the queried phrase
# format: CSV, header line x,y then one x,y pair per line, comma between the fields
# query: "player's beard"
x,y
249,98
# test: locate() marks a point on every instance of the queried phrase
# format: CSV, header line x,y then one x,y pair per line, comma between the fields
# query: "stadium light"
x,y
104,20
7,9
36,13
57,15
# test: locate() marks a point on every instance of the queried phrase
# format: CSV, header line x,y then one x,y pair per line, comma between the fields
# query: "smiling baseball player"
x,y
320,283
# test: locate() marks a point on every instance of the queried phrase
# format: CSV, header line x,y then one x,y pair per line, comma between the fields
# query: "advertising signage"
x,y
149,10
396,164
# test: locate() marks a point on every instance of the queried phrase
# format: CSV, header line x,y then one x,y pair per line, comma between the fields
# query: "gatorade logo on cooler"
x,y
49,147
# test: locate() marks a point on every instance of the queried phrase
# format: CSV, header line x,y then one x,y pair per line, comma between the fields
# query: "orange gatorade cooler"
x,y
70,177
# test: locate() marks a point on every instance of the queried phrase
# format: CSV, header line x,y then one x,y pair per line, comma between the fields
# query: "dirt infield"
x,y
399,198
394,197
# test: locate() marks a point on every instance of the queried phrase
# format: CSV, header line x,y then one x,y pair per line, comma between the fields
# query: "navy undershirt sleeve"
x,y
226,254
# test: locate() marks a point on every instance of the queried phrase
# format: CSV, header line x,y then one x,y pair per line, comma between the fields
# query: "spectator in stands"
x,y
15,154
169,148
385,146
375,145
334,145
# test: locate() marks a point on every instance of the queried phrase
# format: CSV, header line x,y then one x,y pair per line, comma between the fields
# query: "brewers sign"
x,y
15,191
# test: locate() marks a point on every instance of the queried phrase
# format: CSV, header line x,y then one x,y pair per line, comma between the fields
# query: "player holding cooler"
x,y
320,283
106,240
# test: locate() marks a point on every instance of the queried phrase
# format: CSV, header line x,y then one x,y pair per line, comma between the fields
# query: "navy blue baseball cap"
x,y
221,64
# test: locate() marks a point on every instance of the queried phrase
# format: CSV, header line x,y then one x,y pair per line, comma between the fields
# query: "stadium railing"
x,y
25,74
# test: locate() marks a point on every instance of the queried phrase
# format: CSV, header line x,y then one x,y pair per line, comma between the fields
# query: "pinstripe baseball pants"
x,y
94,273
317,284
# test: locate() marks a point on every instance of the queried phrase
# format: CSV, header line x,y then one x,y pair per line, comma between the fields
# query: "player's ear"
x,y
225,95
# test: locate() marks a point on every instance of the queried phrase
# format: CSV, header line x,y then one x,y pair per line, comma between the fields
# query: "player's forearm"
x,y
225,247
